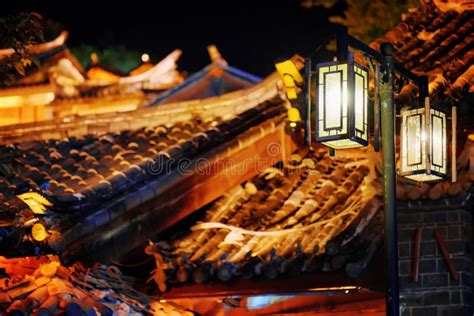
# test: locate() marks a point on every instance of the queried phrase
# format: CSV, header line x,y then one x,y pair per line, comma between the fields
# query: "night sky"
x,y
251,35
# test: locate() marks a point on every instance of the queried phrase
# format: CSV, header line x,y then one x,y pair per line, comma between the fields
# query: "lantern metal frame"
x,y
426,169
351,134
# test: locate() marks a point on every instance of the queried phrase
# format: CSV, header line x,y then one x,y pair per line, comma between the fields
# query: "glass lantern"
x,y
423,144
342,104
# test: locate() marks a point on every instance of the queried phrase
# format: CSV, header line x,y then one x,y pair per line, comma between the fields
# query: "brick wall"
x,y
435,292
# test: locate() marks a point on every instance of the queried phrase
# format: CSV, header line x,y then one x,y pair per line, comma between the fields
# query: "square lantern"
x,y
342,104
423,144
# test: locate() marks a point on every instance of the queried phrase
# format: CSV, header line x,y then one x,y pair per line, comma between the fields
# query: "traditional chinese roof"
x,y
141,68
312,213
103,72
105,82
210,82
42,286
437,39
216,79
85,178
227,104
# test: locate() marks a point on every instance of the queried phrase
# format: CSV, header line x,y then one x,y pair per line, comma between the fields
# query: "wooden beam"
x,y
416,256
444,251
454,119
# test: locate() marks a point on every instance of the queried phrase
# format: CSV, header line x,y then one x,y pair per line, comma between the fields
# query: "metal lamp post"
x,y
342,122
352,130
387,115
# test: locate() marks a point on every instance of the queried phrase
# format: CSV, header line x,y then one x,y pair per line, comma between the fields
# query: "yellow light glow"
x,y
423,136
423,146
291,93
94,58
289,68
35,201
142,69
437,140
99,74
49,269
145,58
290,76
360,102
26,100
294,115
38,231
335,288
332,102
342,115
333,99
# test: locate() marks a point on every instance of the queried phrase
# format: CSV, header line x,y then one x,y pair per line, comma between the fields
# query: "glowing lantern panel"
x,y
342,114
419,137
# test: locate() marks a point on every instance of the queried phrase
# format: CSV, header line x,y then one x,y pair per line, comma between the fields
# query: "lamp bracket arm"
x,y
369,51
388,67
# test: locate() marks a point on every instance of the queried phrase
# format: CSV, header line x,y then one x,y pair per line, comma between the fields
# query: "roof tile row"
x,y
80,175
42,286
305,211
437,43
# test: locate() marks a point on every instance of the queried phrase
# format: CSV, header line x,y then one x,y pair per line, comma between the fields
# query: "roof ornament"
x,y
216,57
36,202
94,58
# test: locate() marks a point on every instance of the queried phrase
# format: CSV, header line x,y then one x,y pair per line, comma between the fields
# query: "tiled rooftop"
x,y
313,213
42,286
317,212
71,86
437,39
216,79
213,80
226,105
79,175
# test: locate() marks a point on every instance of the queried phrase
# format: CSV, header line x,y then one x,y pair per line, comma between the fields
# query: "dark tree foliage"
x,y
18,32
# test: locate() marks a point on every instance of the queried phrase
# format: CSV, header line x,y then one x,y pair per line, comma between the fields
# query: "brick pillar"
x,y
436,292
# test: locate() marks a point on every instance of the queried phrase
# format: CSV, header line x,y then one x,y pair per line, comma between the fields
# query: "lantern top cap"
x,y
387,49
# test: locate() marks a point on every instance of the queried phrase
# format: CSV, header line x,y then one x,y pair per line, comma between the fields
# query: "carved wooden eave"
x,y
215,79
335,282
